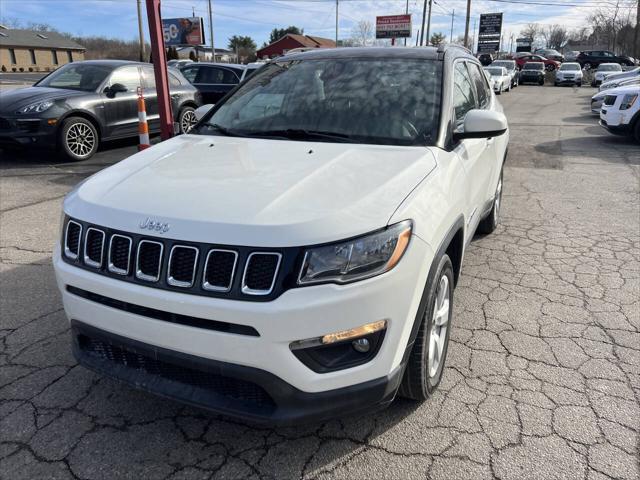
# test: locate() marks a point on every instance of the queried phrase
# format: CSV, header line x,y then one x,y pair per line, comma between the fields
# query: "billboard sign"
x,y
489,32
183,32
393,26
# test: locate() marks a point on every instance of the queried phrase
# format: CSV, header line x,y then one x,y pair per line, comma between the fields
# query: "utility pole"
x,y
336,23
213,48
140,33
429,21
406,12
466,25
424,15
193,11
473,38
453,14
637,34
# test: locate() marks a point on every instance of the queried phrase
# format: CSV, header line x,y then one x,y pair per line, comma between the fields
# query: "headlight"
x,y
628,100
356,259
36,107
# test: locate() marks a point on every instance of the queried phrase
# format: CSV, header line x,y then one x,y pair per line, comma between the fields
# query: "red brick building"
x,y
291,41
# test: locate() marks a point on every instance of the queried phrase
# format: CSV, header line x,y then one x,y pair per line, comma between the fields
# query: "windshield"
x,y
76,76
533,66
388,101
504,64
610,68
496,72
570,66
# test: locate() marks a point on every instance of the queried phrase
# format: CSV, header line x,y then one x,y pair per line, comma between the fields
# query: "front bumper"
x,y
297,314
26,132
568,81
233,390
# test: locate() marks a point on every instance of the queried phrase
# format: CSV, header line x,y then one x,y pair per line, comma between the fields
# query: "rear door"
x,y
471,151
121,109
215,82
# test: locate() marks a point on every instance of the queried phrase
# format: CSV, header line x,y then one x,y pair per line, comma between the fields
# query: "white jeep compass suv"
x,y
294,257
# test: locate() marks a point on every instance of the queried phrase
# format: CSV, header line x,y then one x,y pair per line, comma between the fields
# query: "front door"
x,y
121,108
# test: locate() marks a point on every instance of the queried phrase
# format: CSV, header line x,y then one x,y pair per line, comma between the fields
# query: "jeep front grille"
x,y
240,273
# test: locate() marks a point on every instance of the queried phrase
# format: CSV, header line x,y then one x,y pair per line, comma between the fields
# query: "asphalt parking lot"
x,y
543,377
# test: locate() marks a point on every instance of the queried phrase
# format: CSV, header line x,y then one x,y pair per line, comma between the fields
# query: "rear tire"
x,y
424,368
490,222
187,119
78,139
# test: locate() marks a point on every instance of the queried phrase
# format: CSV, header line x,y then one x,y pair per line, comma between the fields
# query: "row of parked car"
x,y
617,103
83,104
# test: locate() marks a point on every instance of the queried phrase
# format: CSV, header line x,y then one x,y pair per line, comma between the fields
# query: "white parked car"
x,y
598,98
569,73
293,257
619,79
512,70
620,112
501,79
603,71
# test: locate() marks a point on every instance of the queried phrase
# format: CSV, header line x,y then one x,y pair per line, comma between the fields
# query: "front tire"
x,y
187,119
78,139
636,131
424,368
490,222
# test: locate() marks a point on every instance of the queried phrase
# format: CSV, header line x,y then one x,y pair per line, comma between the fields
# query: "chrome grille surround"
x,y
111,267
249,291
87,259
181,283
139,273
215,288
68,253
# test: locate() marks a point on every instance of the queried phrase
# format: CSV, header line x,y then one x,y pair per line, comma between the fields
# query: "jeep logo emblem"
x,y
155,226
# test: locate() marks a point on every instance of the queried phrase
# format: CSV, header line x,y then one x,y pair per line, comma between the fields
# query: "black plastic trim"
x,y
170,317
293,406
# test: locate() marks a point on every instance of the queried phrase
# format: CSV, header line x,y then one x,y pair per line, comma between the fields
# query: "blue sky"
x,y
256,18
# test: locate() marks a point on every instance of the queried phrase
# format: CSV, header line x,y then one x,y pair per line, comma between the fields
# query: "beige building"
x,y
32,51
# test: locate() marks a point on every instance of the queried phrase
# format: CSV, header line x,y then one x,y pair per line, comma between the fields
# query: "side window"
x,y
214,75
127,76
190,73
482,89
463,100
149,79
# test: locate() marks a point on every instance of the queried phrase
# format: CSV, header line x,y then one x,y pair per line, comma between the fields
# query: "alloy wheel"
x,y
187,121
439,326
80,140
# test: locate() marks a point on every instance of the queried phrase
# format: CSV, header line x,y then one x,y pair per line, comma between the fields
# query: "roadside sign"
x,y
489,32
393,26
183,31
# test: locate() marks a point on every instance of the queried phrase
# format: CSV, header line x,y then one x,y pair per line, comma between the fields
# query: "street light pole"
x,y
336,23
424,15
213,48
466,25
429,21
140,34
453,14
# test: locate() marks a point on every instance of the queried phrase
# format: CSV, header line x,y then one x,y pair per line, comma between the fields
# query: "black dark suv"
x,y
82,104
593,58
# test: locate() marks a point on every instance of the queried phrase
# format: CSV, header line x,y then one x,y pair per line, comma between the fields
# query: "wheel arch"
x,y
452,244
82,114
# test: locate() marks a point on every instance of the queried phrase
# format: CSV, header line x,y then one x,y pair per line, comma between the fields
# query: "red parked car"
x,y
549,65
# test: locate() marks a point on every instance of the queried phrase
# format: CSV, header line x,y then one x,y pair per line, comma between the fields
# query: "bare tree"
x,y
555,36
362,33
531,30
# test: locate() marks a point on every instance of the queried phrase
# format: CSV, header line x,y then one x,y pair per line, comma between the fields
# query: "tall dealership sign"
x,y
393,26
489,32
183,31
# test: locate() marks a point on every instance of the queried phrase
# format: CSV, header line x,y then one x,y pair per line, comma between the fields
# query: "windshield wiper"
x,y
301,133
224,131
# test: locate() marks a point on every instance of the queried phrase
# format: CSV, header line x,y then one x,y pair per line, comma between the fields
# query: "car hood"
x,y
12,100
253,192
623,90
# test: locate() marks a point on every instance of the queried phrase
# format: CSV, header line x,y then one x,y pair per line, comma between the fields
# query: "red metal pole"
x,y
160,68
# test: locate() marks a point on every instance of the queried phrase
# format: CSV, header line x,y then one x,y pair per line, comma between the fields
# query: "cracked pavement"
x,y
543,372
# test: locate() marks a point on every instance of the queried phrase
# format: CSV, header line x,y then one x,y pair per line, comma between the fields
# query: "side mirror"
x,y
116,88
482,124
202,111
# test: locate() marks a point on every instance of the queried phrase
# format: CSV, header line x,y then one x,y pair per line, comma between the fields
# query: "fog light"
x,y
361,345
